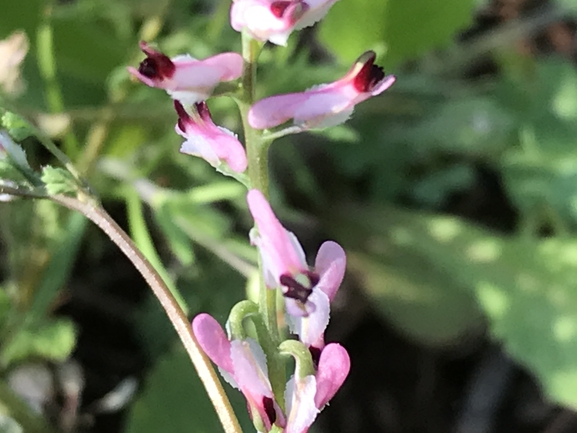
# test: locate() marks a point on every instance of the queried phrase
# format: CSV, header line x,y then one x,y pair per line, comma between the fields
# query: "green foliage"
x,y
403,29
397,256
16,125
175,398
58,181
426,143
52,339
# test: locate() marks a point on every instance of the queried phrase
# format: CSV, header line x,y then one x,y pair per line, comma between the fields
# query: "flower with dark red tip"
x,y
242,363
213,143
275,20
185,78
308,292
326,104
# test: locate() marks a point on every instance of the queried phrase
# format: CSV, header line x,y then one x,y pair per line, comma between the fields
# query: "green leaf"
x,y
174,399
415,293
53,340
58,181
17,126
525,287
406,29
417,26
353,27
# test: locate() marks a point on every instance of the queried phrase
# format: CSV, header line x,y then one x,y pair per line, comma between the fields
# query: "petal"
x,y
333,369
275,110
205,139
300,401
385,83
310,329
262,23
213,341
330,264
317,11
251,374
277,247
250,369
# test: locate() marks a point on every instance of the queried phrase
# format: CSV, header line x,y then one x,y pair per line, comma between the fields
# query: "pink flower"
x,y
307,396
307,292
242,364
208,141
324,105
185,78
275,20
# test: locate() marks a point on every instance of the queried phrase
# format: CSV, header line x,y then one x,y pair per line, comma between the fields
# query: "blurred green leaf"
x,y
414,27
526,288
405,29
58,181
63,256
353,27
420,296
52,339
17,126
175,399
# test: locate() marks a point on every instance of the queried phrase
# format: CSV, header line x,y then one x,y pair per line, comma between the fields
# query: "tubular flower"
x,y
275,20
307,292
242,363
208,141
185,78
306,397
326,104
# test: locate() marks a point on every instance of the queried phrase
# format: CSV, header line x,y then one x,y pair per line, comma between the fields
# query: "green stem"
x,y
257,154
47,66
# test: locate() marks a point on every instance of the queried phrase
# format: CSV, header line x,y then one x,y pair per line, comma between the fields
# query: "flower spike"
x,y
326,104
208,141
275,20
185,78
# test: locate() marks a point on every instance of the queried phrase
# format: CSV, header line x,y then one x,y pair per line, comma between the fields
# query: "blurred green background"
x,y
454,194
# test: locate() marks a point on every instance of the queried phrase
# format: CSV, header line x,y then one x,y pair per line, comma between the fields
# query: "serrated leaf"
x,y
14,151
53,340
17,126
58,181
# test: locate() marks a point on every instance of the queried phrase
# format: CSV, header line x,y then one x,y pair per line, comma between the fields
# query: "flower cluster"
x,y
255,363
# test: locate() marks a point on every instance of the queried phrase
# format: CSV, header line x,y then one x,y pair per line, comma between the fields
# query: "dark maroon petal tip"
x,y
183,116
268,404
296,8
370,74
297,291
203,110
156,66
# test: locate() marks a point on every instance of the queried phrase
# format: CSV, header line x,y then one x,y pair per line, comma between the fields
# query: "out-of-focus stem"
x,y
47,67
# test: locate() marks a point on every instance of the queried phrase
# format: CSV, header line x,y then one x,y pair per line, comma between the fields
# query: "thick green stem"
x,y
257,154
